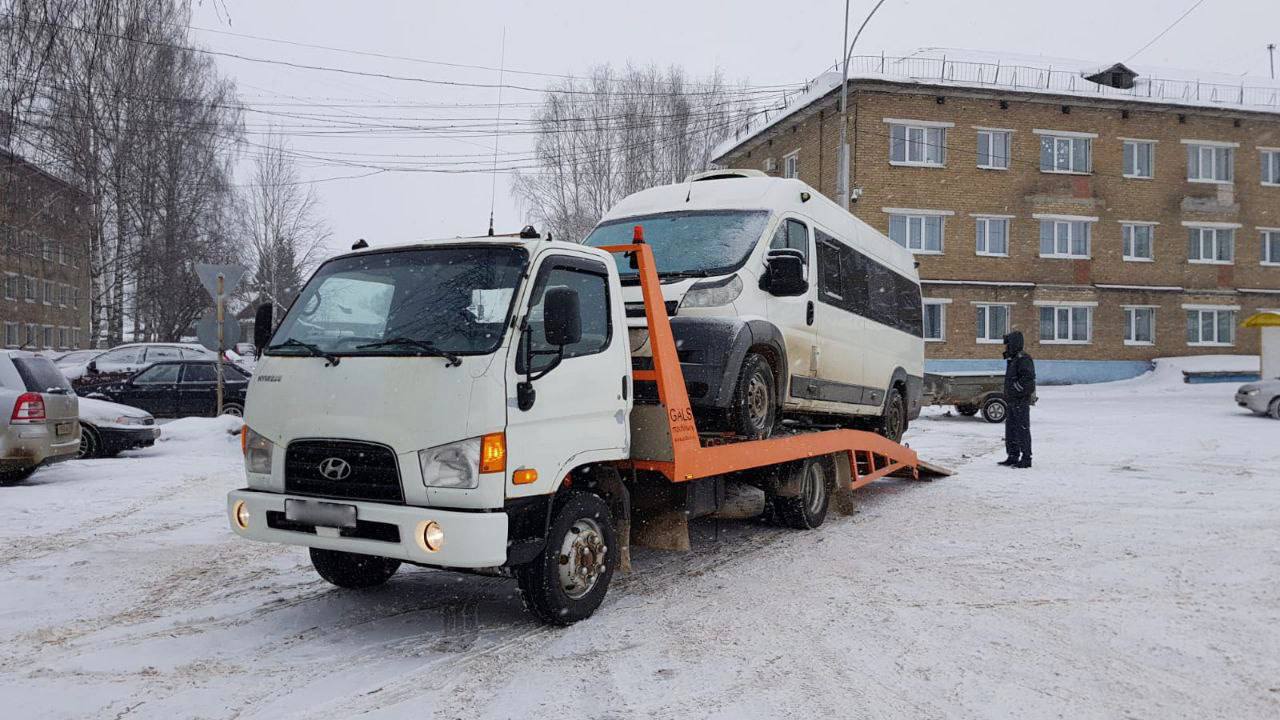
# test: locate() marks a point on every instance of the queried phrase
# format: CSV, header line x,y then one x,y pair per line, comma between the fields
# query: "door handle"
x,y
808,313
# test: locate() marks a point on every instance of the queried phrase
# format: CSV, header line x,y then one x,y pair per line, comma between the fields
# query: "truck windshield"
x,y
688,244
453,300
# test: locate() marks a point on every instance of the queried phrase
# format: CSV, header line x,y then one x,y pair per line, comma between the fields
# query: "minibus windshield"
x,y
688,244
454,300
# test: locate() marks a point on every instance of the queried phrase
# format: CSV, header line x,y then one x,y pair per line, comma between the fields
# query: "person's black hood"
x,y
1013,343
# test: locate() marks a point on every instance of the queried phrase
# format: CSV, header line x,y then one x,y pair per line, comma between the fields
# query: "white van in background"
x,y
783,304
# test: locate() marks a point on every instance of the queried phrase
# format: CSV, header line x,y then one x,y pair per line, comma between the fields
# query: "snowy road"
x,y
1133,573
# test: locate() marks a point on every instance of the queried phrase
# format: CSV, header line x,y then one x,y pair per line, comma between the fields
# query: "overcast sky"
x,y
759,41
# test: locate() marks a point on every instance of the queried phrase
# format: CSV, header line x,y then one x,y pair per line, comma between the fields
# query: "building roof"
x,y
1036,74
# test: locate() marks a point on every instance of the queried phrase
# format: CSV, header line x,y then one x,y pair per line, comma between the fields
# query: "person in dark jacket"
x,y
1019,387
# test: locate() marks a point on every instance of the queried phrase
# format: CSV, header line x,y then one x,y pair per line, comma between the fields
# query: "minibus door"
x,y
795,315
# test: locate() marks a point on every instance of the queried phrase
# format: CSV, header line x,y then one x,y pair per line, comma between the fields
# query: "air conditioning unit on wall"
x,y
770,165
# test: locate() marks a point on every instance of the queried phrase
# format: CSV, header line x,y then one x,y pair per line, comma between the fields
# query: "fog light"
x,y
240,513
430,536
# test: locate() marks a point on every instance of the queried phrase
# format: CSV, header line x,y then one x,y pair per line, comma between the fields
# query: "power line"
x,y
1166,30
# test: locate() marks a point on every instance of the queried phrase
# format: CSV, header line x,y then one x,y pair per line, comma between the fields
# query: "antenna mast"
x,y
497,128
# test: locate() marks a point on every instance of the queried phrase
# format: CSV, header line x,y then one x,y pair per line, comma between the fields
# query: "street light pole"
x,y
1271,55
842,185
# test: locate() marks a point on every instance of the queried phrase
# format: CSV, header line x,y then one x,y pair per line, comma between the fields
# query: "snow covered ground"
x,y
1134,572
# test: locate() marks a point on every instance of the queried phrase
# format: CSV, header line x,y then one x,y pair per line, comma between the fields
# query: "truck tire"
x,y
569,579
994,410
808,509
351,570
753,413
13,477
893,424
967,410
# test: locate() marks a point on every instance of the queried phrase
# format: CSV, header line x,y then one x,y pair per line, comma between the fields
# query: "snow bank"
x,y
193,429
1211,363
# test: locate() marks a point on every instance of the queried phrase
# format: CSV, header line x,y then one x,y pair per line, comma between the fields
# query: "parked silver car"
x,y
1261,397
123,360
38,415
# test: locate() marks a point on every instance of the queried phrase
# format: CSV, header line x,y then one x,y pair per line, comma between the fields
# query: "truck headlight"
x,y
456,465
713,293
257,452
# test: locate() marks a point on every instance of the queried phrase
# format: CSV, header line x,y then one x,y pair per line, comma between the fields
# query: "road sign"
x,y
207,330
208,275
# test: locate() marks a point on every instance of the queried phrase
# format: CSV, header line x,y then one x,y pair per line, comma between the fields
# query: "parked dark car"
x,y
177,388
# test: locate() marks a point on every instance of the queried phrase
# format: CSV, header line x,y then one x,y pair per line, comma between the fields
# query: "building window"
x,y
1271,167
1139,158
1211,326
1139,325
33,289
993,323
1066,154
1210,163
917,233
33,335
992,236
1271,247
993,149
48,292
12,335
1138,246
935,320
48,337
1066,324
791,165
11,289
917,145
62,254
1211,245
1064,238
46,249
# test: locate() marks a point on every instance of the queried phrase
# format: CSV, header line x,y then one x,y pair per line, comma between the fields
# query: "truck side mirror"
x,y
784,273
561,318
263,318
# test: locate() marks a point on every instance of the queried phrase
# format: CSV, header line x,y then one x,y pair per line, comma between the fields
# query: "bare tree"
x,y
283,227
610,134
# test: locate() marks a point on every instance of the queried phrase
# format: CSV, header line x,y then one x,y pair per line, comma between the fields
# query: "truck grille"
x,y
374,473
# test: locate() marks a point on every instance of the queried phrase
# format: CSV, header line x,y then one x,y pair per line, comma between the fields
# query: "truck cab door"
x,y
795,315
579,408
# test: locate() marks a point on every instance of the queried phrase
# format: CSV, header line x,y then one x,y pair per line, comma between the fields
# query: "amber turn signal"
x,y
524,477
493,453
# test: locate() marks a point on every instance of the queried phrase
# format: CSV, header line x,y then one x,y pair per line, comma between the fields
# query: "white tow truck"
x,y
470,404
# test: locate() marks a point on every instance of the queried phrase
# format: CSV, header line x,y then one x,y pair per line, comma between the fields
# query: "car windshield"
x,y
449,299
688,243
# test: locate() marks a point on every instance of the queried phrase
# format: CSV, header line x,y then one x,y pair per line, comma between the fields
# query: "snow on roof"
x,y
1040,74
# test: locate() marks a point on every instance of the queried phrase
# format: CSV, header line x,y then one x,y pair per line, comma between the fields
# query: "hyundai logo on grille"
x,y
335,469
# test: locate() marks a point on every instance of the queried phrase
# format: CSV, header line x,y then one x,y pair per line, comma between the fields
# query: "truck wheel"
x,y
351,570
893,424
994,410
808,509
13,477
568,581
967,410
754,411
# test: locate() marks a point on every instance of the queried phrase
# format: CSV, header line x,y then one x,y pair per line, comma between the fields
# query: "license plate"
x,y
62,429
324,514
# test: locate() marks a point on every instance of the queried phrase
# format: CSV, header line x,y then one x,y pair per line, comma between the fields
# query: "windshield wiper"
x,y
424,347
312,350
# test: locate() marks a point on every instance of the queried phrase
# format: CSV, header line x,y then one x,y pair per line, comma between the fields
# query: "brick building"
x,y
1112,218
44,259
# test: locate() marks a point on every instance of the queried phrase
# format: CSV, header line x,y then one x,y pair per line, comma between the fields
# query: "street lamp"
x,y
842,185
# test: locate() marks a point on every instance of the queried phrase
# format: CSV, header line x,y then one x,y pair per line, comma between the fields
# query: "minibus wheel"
x,y
351,570
894,422
754,411
569,579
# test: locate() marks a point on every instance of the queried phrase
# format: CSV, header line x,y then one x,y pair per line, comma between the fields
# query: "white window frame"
x,y
922,128
1215,309
1212,148
1130,324
16,330
982,234
1008,147
984,308
9,277
919,216
1218,229
791,165
1071,138
1126,242
1070,221
1131,172
1269,159
1057,306
941,304
1269,238
46,295
31,291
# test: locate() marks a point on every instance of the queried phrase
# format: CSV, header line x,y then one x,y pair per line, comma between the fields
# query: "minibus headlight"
x,y
456,465
257,452
713,293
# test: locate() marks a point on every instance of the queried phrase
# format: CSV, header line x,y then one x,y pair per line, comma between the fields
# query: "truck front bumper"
x,y
471,539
